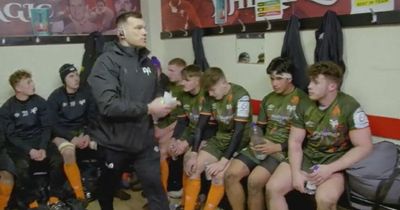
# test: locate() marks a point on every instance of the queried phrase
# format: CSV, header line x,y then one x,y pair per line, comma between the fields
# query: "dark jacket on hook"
x,y
293,50
93,48
199,56
329,39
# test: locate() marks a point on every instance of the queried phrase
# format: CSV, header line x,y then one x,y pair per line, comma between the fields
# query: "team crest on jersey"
x,y
146,70
270,107
34,110
82,102
334,123
64,104
16,115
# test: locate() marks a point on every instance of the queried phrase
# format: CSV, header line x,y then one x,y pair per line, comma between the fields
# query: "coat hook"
x,y
185,32
374,16
269,25
243,25
221,29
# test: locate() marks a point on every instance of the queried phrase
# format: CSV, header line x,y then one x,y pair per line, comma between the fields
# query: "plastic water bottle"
x,y
310,187
256,138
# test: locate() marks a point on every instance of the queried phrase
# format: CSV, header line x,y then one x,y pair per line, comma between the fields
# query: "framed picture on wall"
x,y
61,17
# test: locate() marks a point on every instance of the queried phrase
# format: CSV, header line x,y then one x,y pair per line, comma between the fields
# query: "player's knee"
x,y
231,176
326,199
274,188
6,176
254,184
67,150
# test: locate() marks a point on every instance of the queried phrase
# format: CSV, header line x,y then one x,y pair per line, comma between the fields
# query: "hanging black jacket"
x,y
199,56
123,82
293,50
329,39
93,48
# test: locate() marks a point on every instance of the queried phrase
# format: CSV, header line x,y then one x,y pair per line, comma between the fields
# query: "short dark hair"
x,y
280,65
329,69
211,76
191,71
177,61
18,76
123,17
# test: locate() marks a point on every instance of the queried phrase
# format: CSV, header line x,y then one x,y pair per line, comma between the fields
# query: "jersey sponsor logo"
x,y
360,118
281,119
72,103
243,106
146,70
270,107
25,113
225,119
310,124
290,108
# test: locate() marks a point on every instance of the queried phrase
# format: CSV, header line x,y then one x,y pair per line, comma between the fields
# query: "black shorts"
x,y
6,164
269,163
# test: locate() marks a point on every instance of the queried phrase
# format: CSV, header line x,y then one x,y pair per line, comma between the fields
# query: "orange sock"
x,y
34,204
185,179
164,174
5,192
74,177
214,197
191,192
53,200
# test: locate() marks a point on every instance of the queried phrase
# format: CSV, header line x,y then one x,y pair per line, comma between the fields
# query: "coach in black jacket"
x,y
124,85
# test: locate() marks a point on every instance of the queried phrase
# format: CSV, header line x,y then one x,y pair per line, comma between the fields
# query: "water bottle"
x,y
310,187
256,138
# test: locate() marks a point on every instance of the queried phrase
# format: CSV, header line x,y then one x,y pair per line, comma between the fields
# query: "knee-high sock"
x,y
74,177
214,196
185,179
191,193
53,200
5,192
164,174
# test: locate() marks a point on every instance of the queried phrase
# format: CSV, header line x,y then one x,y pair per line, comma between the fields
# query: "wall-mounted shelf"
x,y
355,20
43,40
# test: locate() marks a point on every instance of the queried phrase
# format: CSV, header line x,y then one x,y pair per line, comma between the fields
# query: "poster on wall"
x,y
363,6
187,14
268,9
65,17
